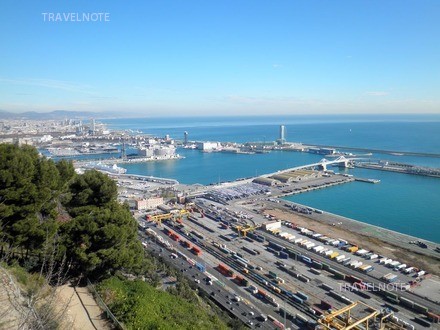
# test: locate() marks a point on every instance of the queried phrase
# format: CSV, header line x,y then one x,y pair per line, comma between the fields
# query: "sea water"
x,y
401,202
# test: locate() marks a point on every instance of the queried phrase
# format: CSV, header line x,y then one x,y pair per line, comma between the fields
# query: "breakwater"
x,y
401,168
382,151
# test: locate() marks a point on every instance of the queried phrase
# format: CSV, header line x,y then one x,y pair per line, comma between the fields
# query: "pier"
x,y
367,180
382,151
401,168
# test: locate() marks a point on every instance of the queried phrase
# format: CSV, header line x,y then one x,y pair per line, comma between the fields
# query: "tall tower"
x,y
92,126
282,134
185,137
123,151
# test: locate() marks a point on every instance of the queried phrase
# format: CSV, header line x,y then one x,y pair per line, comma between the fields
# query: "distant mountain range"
x,y
55,115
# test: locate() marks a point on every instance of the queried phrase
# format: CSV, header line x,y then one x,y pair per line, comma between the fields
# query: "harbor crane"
x,y
343,319
175,214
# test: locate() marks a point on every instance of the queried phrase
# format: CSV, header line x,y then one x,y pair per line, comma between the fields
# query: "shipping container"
x,y
434,318
369,269
273,274
250,251
340,258
197,234
326,287
400,267
325,305
283,255
196,251
328,253
423,322
296,299
261,293
315,271
303,278
241,263
339,275
420,308
226,238
406,302
275,246
269,249
317,265
286,314
302,295
318,248
346,261
334,255
200,267
358,265
301,319
306,259
361,252
353,249
225,270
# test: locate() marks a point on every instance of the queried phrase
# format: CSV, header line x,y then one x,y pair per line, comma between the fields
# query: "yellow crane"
x,y
242,230
175,214
344,319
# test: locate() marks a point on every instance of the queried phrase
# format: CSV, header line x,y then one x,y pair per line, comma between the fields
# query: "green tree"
x,y
102,236
92,188
66,170
103,240
28,190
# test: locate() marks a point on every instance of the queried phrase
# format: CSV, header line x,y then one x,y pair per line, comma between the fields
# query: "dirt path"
x,y
82,313
11,310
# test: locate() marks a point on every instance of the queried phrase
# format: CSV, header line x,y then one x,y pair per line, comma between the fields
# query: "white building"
x,y
205,146
148,203
272,225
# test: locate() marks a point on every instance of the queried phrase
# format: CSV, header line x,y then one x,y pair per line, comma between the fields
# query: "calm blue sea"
x,y
405,203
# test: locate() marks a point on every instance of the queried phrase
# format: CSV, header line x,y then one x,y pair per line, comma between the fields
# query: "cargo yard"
x,y
275,264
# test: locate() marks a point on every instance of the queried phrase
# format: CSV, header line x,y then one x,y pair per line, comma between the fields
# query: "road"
x,y
222,295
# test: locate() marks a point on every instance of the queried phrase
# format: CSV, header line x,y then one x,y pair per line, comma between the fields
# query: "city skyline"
x,y
228,58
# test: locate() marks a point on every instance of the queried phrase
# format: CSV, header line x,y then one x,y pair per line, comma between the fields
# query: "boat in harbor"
x,y
115,169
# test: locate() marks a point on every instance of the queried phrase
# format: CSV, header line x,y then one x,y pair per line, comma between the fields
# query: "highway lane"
x,y
222,295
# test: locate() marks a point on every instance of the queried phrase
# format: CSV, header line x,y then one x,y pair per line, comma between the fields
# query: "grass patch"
x,y
140,306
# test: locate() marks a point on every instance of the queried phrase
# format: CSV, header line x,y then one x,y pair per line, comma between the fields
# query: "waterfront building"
x,y
163,151
148,203
297,176
207,146
145,152
322,151
156,150
185,138
266,181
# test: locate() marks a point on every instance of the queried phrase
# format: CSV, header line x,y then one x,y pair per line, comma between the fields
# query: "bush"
x,y
140,306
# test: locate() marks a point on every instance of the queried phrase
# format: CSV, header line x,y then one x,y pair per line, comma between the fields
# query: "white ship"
x,y
106,168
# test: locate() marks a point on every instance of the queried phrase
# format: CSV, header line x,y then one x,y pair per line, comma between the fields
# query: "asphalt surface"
x,y
222,295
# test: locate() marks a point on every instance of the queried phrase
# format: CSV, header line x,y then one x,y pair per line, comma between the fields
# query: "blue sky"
x,y
222,57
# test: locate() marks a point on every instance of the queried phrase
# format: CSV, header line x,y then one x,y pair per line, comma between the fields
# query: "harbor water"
x,y
401,202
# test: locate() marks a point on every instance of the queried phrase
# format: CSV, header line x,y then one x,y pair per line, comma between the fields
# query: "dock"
x,y
401,168
367,180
